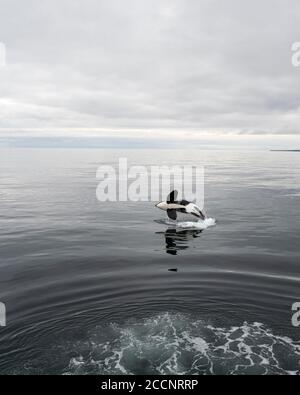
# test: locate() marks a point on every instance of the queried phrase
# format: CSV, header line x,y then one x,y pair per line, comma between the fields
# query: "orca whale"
x,y
172,206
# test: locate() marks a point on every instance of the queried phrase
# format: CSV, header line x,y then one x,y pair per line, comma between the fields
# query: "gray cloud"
x,y
150,65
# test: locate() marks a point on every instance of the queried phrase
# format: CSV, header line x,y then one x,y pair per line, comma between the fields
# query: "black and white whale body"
x,y
172,206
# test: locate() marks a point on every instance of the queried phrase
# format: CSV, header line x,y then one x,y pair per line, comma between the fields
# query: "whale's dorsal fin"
x,y
172,214
172,197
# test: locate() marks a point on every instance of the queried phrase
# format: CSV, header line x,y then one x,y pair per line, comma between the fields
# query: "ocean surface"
x,y
103,287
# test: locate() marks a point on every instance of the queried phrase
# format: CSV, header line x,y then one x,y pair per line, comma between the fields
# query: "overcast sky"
x,y
149,67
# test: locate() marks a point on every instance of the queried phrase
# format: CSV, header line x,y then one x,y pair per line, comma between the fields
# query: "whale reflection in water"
x,y
178,240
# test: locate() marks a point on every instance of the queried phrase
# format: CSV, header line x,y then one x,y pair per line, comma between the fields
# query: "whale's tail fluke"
x,y
197,212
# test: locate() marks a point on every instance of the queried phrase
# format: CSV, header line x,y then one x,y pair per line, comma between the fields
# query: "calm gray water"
x,y
88,287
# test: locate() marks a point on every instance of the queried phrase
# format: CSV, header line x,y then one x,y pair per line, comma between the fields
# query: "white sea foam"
x,y
201,224
178,344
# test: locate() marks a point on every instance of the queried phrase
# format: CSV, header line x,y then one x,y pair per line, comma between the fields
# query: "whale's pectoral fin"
x,y
172,196
172,214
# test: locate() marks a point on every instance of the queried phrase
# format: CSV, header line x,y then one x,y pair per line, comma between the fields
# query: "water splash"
x,y
201,224
198,225
178,344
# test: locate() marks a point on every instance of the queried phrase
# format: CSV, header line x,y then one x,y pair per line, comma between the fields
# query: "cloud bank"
x,y
149,67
